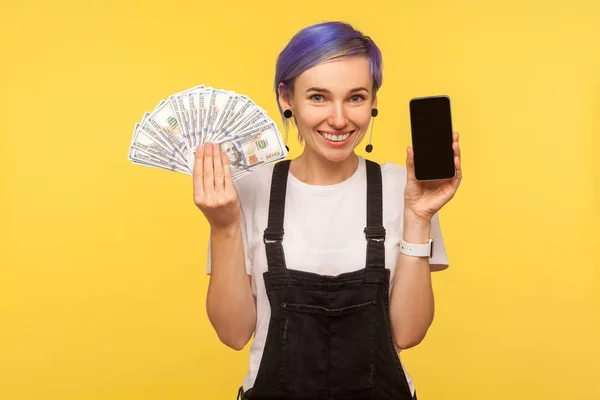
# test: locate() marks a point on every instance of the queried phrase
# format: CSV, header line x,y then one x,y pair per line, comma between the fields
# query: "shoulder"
x,y
393,170
393,177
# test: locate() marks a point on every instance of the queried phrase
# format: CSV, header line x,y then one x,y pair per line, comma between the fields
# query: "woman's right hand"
x,y
214,193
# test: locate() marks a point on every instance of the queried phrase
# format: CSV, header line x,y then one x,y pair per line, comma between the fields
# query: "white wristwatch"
x,y
417,250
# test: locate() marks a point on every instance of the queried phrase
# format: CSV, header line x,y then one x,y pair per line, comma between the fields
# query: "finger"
x,y
457,155
410,163
208,176
456,148
456,181
457,161
458,174
198,171
218,171
227,174
455,136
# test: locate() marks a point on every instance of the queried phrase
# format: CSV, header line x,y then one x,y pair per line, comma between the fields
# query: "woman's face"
x,y
332,104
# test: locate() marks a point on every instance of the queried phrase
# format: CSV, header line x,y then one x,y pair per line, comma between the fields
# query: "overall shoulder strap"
x,y
273,235
374,231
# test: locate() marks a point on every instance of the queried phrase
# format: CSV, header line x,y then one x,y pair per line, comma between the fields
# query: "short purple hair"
x,y
323,42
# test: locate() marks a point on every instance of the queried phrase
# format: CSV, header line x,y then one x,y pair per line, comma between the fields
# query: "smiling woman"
x,y
325,258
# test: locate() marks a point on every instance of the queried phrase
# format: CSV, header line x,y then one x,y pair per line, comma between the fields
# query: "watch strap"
x,y
417,250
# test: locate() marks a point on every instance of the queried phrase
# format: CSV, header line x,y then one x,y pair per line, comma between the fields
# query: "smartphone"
x,y
431,130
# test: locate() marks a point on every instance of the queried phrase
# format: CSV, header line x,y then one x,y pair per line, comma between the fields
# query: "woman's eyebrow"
x,y
322,90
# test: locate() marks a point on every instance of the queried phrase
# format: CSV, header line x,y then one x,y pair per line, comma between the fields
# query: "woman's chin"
x,y
336,155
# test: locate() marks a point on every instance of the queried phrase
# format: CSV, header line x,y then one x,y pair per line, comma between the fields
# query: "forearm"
x,y
411,301
230,304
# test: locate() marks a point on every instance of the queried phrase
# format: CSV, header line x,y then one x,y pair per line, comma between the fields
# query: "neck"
x,y
313,169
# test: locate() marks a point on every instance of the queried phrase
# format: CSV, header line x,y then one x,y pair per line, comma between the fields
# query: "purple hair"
x,y
323,42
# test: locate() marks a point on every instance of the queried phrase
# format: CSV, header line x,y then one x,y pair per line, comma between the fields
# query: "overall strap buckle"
x,y
376,233
273,235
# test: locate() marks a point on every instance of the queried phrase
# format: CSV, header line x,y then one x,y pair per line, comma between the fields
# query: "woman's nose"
x,y
338,118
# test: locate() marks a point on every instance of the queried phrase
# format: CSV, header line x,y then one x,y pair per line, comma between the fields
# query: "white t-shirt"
x,y
323,233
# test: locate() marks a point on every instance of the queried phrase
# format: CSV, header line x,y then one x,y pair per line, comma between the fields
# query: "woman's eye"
x,y
357,98
316,97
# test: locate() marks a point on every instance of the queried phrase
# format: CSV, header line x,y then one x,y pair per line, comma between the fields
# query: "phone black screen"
x,y
431,129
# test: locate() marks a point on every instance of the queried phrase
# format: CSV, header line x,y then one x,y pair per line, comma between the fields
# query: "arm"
x,y
230,303
411,299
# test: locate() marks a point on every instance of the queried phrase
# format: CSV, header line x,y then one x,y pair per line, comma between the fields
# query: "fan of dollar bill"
x,y
168,137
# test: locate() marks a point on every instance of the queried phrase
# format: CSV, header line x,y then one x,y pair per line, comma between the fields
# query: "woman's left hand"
x,y
424,199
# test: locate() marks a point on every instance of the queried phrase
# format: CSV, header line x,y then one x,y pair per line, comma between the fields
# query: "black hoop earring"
x,y
288,114
369,147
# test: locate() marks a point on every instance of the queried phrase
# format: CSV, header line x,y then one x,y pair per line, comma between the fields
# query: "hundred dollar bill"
x,y
261,147
241,111
209,114
164,122
217,103
182,115
158,138
224,104
260,123
255,114
256,119
143,141
146,115
204,103
186,103
141,157
194,98
251,130
203,100
183,103
237,104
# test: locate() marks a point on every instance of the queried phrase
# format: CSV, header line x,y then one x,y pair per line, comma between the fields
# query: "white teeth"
x,y
336,138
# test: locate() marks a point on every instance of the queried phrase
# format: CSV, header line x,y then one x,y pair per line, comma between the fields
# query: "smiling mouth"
x,y
337,137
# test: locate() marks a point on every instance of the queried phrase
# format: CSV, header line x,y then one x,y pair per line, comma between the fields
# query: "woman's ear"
x,y
285,101
374,100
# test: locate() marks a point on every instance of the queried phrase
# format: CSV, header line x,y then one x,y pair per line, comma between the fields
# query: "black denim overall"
x,y
329,337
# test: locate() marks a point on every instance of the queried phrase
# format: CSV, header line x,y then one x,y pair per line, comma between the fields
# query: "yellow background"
x,y
102,279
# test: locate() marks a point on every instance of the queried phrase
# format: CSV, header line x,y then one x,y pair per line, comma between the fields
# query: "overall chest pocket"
x,y
327,351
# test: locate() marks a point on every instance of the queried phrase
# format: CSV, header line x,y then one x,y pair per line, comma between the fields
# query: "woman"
x,y
306,255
